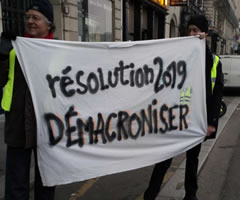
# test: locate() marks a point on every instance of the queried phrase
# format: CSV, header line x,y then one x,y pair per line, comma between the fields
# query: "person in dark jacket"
x,y
1,93
20,123
197,25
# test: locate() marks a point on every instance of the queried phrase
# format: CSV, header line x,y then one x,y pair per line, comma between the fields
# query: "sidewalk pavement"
x,y
174,188
2,158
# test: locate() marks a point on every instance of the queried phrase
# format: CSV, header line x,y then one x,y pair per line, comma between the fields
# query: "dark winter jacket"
x,y
214,98
20,123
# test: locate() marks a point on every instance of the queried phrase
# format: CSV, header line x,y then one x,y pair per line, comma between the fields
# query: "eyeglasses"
x,y
33,17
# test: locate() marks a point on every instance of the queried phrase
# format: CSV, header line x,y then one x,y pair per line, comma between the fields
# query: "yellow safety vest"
x,y
8,89
214,71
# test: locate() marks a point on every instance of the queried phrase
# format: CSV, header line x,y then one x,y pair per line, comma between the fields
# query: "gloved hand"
x,y
5,44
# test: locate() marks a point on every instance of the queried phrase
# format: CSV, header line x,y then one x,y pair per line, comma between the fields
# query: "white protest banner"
x,y
104,108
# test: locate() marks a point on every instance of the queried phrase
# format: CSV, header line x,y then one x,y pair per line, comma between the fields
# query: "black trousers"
x,y
18,163
161,168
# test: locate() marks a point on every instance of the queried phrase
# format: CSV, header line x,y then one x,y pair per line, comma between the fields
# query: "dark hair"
x,y
52,27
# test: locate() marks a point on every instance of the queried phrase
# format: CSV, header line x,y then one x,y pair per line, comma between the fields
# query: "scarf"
x,y
49,36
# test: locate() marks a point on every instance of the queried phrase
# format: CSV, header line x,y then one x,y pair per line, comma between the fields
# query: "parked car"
x,y
231,70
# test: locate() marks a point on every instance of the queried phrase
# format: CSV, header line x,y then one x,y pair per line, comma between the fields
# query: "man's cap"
x,y
200,21
44,7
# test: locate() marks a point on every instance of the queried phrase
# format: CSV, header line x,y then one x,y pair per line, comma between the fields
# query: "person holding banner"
x,y
197,25
1,110
20,124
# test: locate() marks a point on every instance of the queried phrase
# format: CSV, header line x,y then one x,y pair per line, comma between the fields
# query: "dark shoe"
x,y
149,196
190,198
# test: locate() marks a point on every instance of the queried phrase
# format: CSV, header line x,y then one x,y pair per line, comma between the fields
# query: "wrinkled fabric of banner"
x,y
104,108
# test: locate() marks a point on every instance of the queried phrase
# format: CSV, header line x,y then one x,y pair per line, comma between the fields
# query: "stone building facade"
x,y
83,20
144,20
172,23
223,24
74,17
78,19
120,20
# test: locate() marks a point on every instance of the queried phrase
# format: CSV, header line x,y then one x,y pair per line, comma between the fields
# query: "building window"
x,y
13,15
155,27
131,21
95,20
144,26
172,29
